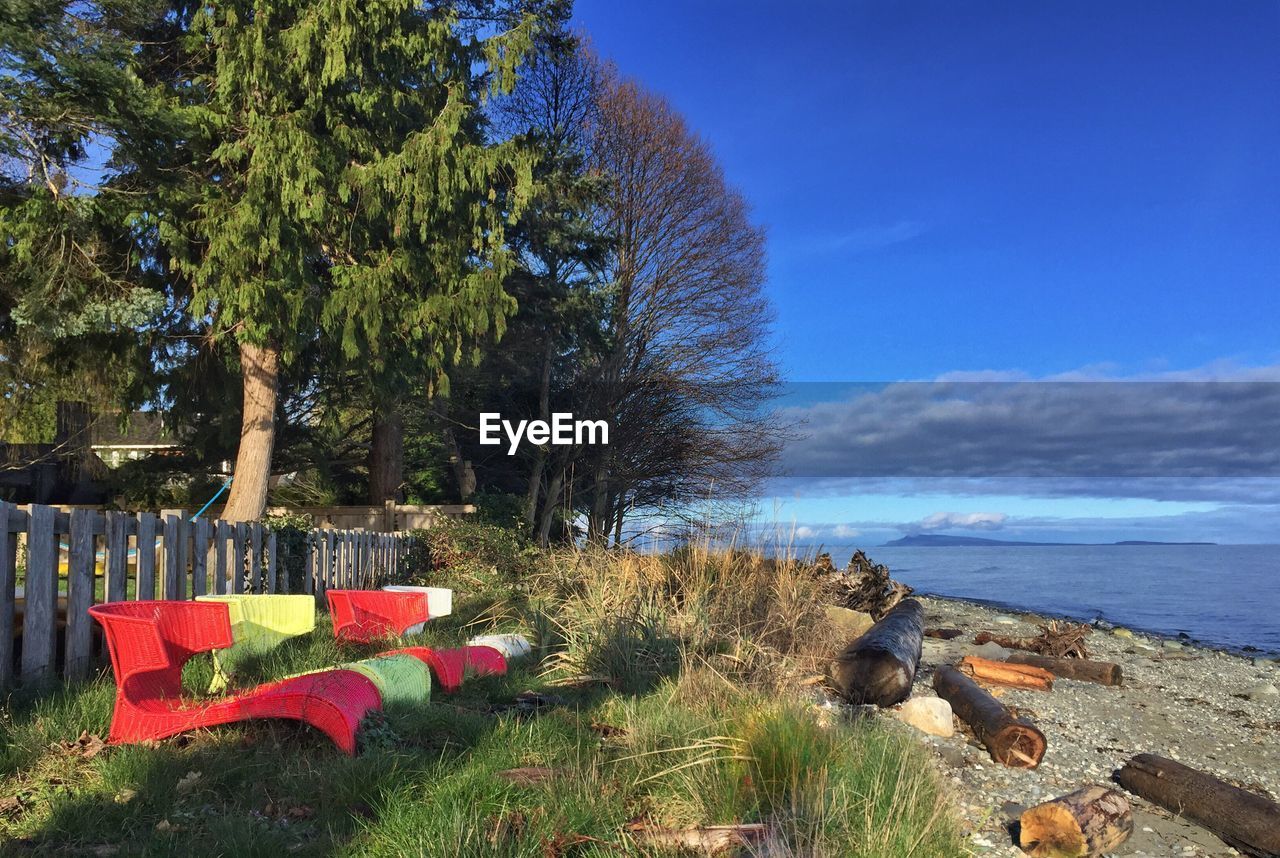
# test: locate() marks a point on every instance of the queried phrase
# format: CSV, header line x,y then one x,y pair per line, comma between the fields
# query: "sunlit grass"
x,y
688,716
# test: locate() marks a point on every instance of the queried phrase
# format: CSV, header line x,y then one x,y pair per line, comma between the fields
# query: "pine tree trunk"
x,y
549,507
260,366
540,457
386,454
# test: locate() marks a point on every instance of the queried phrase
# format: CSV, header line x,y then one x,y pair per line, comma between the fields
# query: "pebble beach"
x,y
1212,710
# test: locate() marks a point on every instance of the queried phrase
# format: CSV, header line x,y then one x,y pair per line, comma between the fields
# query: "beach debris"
x,y
703,839
1057,639
1122,633
862,585
944,634
1006,674
880,666
1246,821
930,715
1088,822
848,622
1012,741
1005,620
1083,669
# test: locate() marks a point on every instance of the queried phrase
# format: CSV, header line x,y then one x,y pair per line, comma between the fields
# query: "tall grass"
x,y
690,715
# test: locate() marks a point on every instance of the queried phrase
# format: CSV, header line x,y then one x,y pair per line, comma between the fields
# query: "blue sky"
x,y
1028,189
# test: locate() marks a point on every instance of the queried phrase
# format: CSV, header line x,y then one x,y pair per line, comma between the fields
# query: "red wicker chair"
x,y
361,616
150,641
451,666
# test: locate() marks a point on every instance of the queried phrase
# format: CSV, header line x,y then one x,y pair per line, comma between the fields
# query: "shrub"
x,y
463,548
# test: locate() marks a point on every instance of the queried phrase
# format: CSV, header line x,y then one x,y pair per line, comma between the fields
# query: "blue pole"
x,y
225,486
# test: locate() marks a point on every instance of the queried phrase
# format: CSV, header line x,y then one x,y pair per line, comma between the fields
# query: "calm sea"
x,y
1224,595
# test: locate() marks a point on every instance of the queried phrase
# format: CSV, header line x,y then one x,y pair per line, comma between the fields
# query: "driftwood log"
x,y
862,585
1101,672
1087,822
1246,821
1057,639
1008,675
880,666
1014,742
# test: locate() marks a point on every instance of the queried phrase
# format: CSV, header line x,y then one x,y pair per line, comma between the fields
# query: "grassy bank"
x,y
665,694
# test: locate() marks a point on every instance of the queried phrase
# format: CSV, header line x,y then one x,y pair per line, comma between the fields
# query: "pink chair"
x,y
361,616
150,641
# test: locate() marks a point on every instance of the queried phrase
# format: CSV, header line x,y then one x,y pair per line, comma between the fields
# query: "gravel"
x,y
1205,708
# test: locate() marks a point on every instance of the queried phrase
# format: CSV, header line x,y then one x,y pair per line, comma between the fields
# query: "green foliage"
x,y
458,549
291,530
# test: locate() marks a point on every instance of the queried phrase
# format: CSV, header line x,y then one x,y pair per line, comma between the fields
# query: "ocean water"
x,y
1222,595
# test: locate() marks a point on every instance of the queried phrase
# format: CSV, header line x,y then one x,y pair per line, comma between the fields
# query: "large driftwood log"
x,y
1101,672
1008,675
1087,822
1248,822
1014,742
880,666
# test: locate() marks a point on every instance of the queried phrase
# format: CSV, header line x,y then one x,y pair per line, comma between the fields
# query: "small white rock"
x,y
930,715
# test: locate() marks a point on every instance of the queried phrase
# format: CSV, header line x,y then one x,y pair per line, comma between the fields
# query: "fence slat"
x,y
117,583
273,573
328,560
8,574
220,557
172,557
200,557
255,555
237,558
146,576
39,618
80,583
308,561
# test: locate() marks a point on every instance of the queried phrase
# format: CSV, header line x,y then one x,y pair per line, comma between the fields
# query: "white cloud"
x,y
968,520
844,531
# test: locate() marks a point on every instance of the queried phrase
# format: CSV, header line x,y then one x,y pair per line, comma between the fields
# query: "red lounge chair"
x,y
150,641
362,616
451,666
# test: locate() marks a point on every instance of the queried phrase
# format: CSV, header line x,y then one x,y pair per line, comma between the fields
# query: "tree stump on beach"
x,y
880,666
1013,742
1246,821
862,585
1087,822
1101,672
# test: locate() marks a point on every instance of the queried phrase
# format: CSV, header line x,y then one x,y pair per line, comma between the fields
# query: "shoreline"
x,y
1211,709
1103,625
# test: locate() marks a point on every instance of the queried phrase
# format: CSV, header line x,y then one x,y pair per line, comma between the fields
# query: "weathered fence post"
x,y
237,560
80,584
273,573
117,583
220,538
8,576
146,584
39,618
200,557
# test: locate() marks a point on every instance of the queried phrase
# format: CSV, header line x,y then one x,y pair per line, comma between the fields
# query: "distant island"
x,y
935,540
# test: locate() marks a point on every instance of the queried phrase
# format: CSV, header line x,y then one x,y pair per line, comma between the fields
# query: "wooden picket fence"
x,y
73,560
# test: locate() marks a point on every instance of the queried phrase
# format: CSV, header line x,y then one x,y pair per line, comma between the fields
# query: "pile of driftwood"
x,y
880,666
861,586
